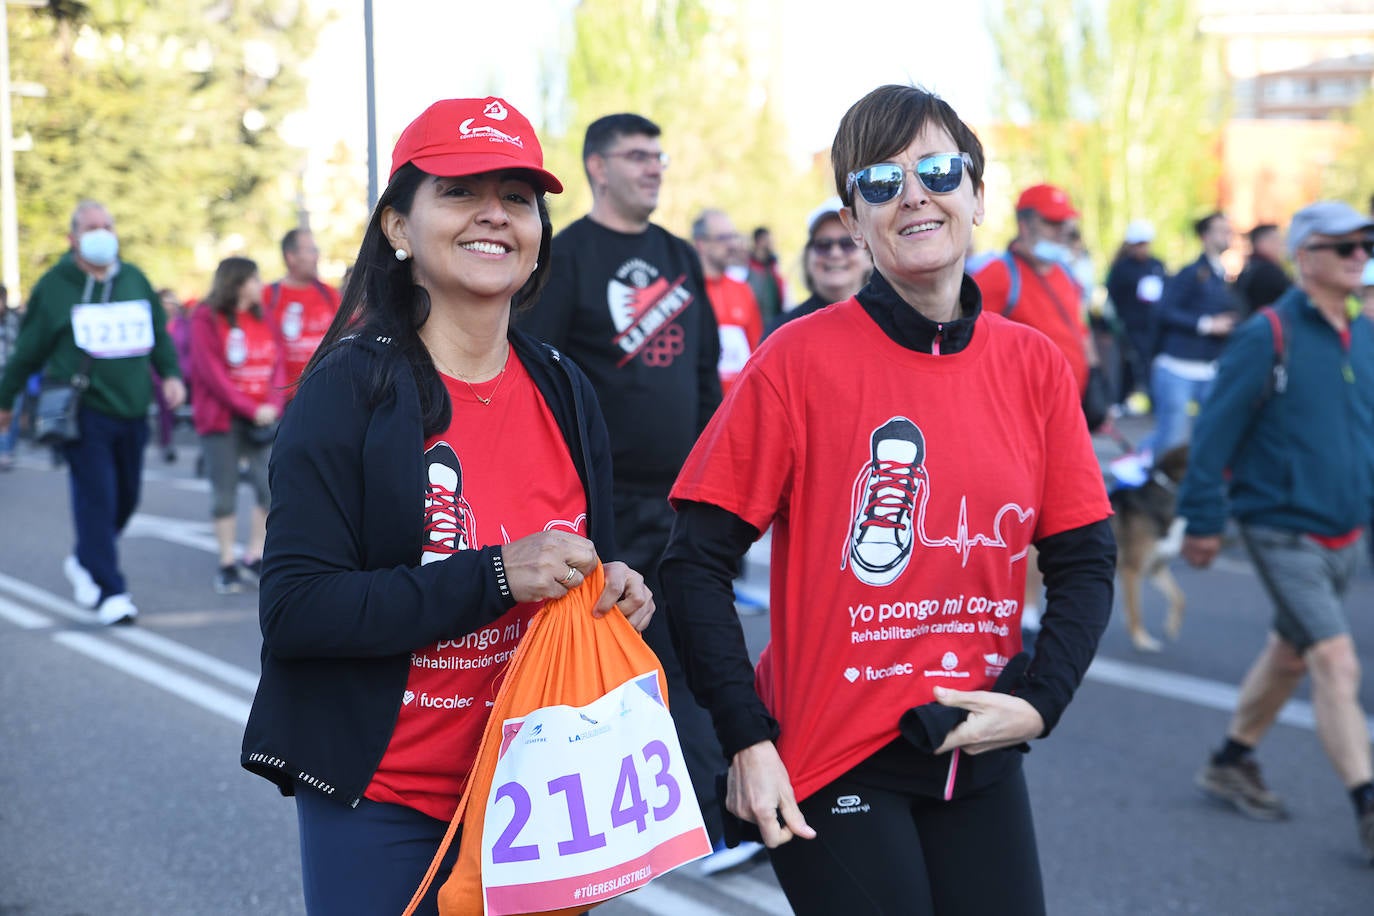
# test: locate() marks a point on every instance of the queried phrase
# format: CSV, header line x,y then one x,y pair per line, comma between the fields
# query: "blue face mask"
x,y
1045,250
99,247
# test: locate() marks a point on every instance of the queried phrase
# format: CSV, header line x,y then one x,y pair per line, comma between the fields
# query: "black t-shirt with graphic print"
x,y
631,310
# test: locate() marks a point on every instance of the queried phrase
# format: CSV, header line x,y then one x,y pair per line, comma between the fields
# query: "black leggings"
x,y
878,851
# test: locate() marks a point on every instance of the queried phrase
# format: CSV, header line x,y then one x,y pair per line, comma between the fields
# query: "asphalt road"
x,y
121,793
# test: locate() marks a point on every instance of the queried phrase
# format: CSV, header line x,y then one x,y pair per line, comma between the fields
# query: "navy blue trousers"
x,y
369,859
106,475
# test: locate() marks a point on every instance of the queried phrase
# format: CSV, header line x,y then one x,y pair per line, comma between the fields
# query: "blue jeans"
x,y
10,434
369,859
106,473
1170,394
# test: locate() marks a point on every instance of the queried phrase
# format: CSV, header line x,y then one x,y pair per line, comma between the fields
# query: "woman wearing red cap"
x,y
907,449
436,478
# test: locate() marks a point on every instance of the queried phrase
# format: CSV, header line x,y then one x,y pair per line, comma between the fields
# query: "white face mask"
x,y
99,247
1054,252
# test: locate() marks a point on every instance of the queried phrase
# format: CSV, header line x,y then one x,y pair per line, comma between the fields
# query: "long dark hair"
x,y
223,297
382,300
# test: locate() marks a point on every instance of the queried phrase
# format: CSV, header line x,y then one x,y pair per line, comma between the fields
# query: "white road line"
x,y
158,675
45,599
1189,689
23,617
196,535
152,642
191,658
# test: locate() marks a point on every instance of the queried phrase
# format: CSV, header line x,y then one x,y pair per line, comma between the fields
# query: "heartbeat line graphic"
x,y
962,542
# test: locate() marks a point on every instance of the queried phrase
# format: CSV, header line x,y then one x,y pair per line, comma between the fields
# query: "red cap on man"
x,y
469,136
1050,202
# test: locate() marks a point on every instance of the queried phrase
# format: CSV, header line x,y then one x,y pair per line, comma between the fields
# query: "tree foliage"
x,y
1350,176
684,64
1121,103
167,111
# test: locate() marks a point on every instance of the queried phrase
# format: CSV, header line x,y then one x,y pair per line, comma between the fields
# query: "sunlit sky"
x,y
432,49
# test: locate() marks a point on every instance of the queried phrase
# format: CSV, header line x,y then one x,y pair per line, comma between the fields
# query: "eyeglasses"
x,y
1344,249
846,245
878,184
641,157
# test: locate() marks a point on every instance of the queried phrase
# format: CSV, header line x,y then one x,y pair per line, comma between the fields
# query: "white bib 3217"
x,y
114,330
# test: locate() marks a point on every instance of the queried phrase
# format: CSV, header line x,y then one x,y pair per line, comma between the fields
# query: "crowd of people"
x,y
488,411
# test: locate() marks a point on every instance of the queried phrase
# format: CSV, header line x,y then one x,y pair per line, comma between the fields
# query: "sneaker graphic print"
x,y
884,526
888,511
449,522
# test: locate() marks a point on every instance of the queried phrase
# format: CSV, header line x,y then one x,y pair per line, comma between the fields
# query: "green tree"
x,y
684,64
1350,176
167,112
1120,103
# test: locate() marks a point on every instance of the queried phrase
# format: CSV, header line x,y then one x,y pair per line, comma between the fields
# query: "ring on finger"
x,y
572,574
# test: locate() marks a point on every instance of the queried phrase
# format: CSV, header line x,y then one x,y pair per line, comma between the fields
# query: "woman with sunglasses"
x,y
832,265
907,449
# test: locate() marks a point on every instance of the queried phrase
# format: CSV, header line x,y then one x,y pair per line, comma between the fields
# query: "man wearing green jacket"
x,y
1285,444
93,314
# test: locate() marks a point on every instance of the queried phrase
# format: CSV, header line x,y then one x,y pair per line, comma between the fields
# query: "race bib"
x,y
588,803
734,350
1150,288
114,330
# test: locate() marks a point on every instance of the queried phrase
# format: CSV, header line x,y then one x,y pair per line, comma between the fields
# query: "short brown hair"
x,y
884,122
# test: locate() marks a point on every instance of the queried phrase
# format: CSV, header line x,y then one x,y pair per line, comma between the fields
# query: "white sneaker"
x,y
116,609
85,592
726,857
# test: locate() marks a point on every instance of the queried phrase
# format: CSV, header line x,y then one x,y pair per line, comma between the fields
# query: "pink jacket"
x,y
215,401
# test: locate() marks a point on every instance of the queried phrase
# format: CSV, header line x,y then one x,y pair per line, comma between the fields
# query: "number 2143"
x,y
628,806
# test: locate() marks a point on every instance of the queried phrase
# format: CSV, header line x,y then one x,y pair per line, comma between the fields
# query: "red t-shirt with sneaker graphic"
x,y
498,473
250,354
904,490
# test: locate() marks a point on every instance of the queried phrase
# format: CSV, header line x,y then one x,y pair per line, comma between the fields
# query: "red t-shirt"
x,y
1049,303
903,490
302,315
250,354
499,473
739,323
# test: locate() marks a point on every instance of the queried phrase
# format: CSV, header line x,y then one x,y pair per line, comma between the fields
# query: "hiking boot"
x,y
227,580
1366,823
1240,784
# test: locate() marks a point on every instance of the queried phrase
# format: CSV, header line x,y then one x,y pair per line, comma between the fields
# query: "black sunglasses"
x,y
1344,249
941,173
825,246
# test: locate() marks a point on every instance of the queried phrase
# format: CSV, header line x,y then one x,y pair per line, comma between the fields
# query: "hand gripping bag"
x,y
579,792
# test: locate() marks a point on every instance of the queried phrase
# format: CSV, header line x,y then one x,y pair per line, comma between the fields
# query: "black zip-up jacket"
x,y
344,600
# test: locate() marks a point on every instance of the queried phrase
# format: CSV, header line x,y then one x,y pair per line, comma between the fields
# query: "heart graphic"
x,y
409,697
851,674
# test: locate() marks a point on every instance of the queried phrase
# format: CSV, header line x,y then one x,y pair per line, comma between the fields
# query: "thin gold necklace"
x,y
500,377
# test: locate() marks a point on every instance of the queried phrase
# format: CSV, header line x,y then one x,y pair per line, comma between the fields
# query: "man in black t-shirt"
x,y
627,301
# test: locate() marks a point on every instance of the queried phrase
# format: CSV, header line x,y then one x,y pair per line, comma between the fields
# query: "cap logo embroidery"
x,y
469,132
495,110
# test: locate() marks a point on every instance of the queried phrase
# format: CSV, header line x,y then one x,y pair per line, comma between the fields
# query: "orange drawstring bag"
x,y
592,797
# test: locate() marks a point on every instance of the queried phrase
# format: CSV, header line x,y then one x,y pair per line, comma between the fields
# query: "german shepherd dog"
x,y
1142,523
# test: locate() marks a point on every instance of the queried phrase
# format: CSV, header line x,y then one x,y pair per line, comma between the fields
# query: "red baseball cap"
x,y
1047,200
470,136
